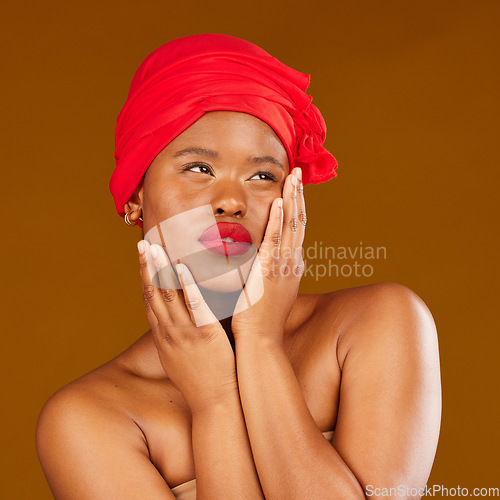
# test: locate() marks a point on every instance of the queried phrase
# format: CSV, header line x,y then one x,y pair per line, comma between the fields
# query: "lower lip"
x,y
226,247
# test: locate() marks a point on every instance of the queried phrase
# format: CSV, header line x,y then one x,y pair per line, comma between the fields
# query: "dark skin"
x,y
362,361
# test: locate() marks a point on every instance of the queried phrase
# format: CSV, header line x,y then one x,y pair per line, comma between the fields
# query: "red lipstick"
x,y
226,238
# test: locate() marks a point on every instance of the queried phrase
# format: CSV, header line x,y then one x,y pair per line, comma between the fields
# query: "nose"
x,y
229,199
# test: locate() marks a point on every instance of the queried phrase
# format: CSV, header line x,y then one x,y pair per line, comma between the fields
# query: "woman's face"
x,y
227,167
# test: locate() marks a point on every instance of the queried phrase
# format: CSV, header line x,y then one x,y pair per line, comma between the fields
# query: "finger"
x,y
253,290
163,277
151,269
156,309
198,309
168,285
299,267
293,229
301,212
269,250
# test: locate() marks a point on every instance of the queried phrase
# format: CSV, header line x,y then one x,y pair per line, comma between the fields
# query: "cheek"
x,y
162,202
264,208
261,215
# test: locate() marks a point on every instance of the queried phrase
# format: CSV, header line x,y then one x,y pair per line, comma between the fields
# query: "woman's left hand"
x,y
274,278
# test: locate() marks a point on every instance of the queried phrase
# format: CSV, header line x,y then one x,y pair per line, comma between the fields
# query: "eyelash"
x,y
191,165
270,175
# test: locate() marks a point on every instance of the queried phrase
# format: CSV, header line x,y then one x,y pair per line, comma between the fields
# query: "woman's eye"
x,y
265,176
203,168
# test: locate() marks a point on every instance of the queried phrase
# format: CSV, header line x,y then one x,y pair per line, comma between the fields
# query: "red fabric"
x,y
181,80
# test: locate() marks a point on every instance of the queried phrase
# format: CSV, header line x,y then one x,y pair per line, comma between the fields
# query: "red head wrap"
x,y
181,80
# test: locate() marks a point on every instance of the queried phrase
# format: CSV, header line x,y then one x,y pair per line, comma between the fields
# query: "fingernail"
x,y
140,247
298,172
280,207
179,267
154,251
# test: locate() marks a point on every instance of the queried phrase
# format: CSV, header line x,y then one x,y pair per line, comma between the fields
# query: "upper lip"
x,y
231,230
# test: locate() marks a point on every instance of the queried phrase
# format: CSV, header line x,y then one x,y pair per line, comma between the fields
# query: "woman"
x,y
235,387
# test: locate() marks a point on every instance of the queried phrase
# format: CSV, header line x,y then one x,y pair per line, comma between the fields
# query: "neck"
x,y
222,304
226,324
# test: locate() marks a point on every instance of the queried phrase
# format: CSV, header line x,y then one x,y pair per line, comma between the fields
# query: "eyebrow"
x,y
209,153
259,160
197,151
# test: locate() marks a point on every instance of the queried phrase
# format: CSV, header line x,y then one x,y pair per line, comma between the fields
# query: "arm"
x,y
389,359
200,361
292,457
389,411
222,456
90,451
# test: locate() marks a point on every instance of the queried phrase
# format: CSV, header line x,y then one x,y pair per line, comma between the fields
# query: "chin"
x,y
225,294
227,283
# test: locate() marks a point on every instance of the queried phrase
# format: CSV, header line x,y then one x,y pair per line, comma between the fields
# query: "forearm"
x,y
292,457
223,459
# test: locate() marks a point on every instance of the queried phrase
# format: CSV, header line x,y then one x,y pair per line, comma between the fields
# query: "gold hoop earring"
x,y
128,221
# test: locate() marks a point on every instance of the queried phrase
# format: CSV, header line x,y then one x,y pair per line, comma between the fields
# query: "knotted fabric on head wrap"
x,y
181,80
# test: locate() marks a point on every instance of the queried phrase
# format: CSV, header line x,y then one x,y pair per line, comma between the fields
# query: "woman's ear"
x,y
134,204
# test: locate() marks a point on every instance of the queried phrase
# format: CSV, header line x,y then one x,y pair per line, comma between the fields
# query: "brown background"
x,y
408,90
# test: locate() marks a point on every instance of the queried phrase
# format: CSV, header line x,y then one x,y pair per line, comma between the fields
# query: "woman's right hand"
x,y
198,359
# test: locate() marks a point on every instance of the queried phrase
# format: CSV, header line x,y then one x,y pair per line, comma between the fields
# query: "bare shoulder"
x,y
89,444
86,409
85,398
390,397
107,393
359,298
371,311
